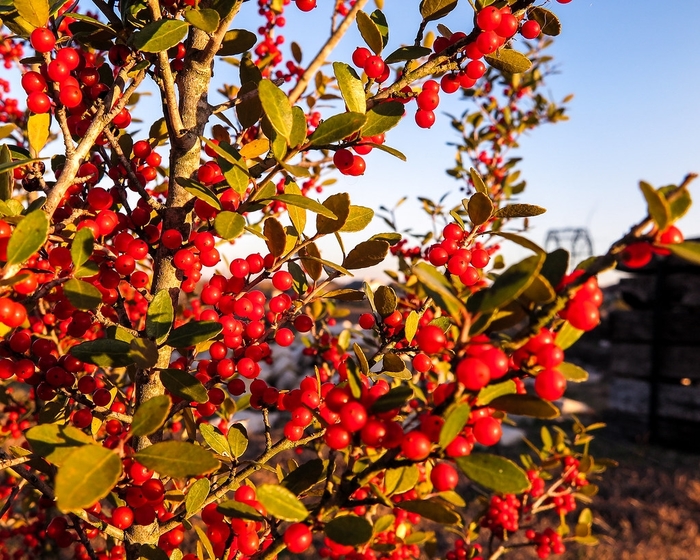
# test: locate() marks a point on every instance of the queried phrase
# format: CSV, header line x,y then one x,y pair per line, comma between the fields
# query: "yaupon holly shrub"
x,y
138,338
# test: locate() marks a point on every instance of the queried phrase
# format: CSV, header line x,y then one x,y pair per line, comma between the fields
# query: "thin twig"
x,y
325,51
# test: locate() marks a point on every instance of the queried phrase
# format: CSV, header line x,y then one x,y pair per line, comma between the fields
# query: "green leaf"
x,y
455,420
296,214
193,333
339,204
159,35
520,240
205,19
82,247
388,149
479,208
573,372
407,53
508,60
104,352
82,295
38,131
199,191
56,443
479,184
349,530
366,254
519,211
151,415
336,128
184,385
6,179
358,219
87,476
305,202
436,9
177,459
237,438
567,336
437,286
555,266
143,352
153,552
229,225
196,495
687,250
370,32
508,286
214,439
34,12
383,117
494,473
397,397
160,316
237,41
304,477
525,405
277,108
398,481
549,22
299,128
659,209
29,236
239,510
435,511
281,503
385,300
491,392
379,20
350,87
681,205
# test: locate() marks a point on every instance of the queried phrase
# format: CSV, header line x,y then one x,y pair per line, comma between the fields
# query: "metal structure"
x,y
577,241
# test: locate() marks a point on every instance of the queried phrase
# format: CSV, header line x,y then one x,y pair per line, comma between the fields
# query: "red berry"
x,y
487,431
38,102
489,18
374,67
42,40
416,446
122,517
550,384
444,477
306,5
298,538
425,119
360,56
530,29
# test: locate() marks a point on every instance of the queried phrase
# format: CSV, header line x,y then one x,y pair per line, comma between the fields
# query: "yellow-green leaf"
x,y
184,385
81,249
370,32
337,127
479,208
350,530
339,204
151,415
383,117
196,495
159,35
281,503
237,41
229,225
366,254
205,19
82,295
351,87
277,108
659,209
38,131
177,459
358,218
86,476
508,60
29,236
494,473
160,316
35,12
436,9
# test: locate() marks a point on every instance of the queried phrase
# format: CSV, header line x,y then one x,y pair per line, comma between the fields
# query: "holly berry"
x,y
444,477
42,40
530,29
298,538
550,384
306,5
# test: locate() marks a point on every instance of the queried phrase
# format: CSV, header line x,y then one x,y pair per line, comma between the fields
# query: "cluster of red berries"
x,y
547,542
373,65
541,353
354,164
459,255
639,254
582,310
503,514
463,550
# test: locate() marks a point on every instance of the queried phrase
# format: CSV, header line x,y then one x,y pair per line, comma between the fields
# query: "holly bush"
x,y
142,412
